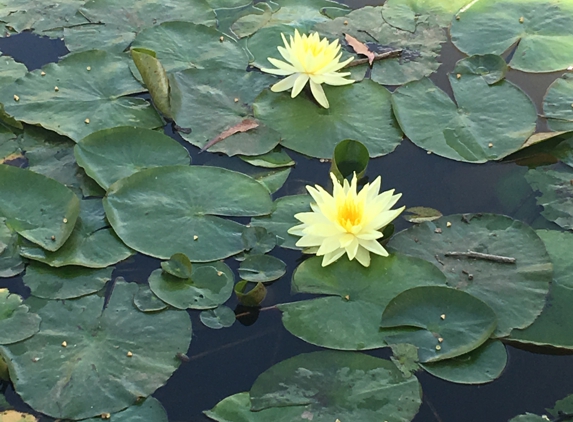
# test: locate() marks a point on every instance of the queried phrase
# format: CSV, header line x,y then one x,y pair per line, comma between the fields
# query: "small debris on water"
x,y
16,98
56,89
42,73
438,347
53,238
222,38
490,145
195,237
65,220
438,230
448,224
88,68
521,19
443,316
87,121
64,343
129,354
459,75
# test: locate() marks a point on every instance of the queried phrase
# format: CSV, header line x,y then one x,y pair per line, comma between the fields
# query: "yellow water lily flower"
x,y
309,59
347,221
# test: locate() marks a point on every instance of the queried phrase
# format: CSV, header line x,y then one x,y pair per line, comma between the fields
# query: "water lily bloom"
x,y
309,58
347,221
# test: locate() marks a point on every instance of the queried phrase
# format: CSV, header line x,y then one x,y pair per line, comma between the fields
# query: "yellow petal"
x,y
318,94
286,83
299,84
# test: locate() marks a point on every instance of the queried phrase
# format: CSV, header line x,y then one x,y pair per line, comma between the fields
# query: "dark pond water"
x,y
225,362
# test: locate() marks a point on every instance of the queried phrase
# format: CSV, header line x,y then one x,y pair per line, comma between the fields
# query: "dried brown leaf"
x,y
244,126
360,48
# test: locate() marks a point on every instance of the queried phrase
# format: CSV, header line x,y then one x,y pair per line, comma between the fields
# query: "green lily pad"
x,y
146,301
81,380
273,179
220,317
420,48
487,122
556,189
178,266
557,103
405,14
339,385
515,291
213,101
418,215
258,240
490,67
16,322
263,268
65,283
350,157
274,159
69,93
173,214
35,207
553,327
282,218
253,297
112,154
149,410
11,263
542,30
528,417
360,111
482,365
564,405
461,320
10,70
210,285
115,25
357,298
170,41
405,357
92,243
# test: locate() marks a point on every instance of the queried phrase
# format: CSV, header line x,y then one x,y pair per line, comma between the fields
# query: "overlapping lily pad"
x,y
113,25
405,14
515,289
557,104
176,209
11,263
361,111
349,317
10,70
556,189
91,85
441,322
35,207
65,283
220,317
79,378
210,285
112,154
263,268
92,244
149,410
16,321
338,385
542,30
487,122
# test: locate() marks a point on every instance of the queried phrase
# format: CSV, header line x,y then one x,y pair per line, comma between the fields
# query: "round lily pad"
x,y
70,368
515,289
557,103
360,111
210,285
35,207
349,318
146,301
167,210
556,189
92,244
16,322
487,122
115,24
74,101
338,385
220,317
542,30
448,322
262,268
65,283
11,263
112,154
149,410
482,365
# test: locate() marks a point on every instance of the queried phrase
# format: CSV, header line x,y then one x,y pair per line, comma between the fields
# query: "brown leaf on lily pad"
x,y
360,48
244,126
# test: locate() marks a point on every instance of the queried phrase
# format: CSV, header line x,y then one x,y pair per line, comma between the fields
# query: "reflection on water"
x,y
228,361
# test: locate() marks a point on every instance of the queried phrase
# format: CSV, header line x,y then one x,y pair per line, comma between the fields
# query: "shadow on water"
x,y
226,362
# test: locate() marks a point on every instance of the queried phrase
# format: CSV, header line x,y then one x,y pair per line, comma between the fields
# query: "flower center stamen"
x,y
350,214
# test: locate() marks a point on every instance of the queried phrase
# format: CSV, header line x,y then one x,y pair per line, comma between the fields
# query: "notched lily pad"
x,y
220,317
557,104
17,322
263,268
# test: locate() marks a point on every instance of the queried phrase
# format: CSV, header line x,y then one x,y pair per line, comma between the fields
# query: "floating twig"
x,y
483,256
387,55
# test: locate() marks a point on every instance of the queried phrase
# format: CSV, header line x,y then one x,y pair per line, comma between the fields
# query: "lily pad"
x,y
339,385
92,243
154,77
420,48
35,207
16,322
514,290
62,100
112,154
556,189
405,14
360,111
114,25
170,42
258,240
10,70
210,285
146,301
81,379
181,209
557,104
461,321
65,283
542,30
357,298
220,317
178,266
350,157
480,366
487,122
274,159
149,410
11,263
528,417
253,297
282,219
273,179
263,268
553,327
